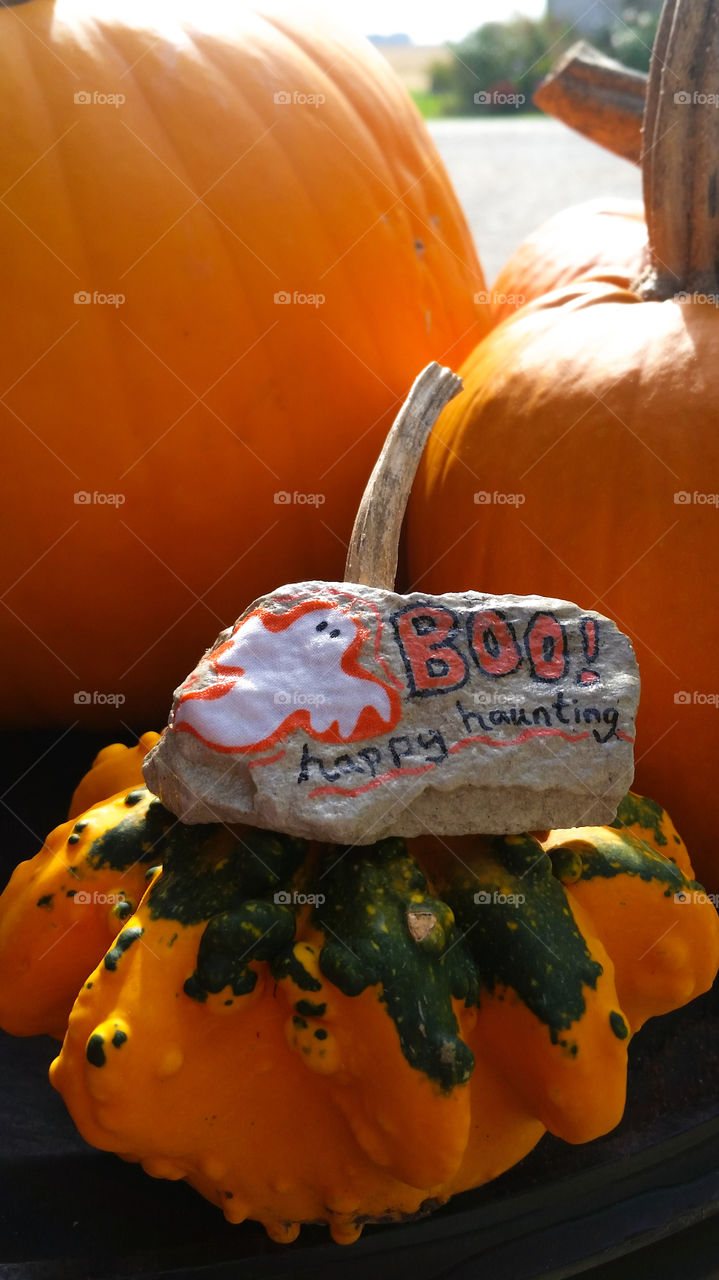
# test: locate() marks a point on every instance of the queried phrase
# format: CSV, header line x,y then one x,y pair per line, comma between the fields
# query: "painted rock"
x,y
348,713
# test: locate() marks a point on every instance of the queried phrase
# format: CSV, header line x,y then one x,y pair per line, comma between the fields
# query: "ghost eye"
x,y
334,634
321,626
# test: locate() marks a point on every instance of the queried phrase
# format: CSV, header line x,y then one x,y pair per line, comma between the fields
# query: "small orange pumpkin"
x,y
586,431
588,241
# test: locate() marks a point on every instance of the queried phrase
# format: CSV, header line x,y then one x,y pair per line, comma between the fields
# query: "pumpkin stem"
x,y
681,152
373,547
598,97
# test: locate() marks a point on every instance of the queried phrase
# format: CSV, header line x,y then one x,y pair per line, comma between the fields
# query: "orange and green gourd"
x,y
307,1033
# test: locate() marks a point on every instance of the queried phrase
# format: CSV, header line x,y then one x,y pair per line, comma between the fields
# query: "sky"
x,y
429,22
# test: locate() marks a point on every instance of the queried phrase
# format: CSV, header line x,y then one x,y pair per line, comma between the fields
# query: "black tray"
x,y
652,1185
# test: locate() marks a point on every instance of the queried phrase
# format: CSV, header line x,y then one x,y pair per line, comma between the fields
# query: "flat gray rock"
x,y
346,713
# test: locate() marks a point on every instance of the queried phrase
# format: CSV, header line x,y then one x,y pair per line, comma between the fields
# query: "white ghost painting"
x,y
281,671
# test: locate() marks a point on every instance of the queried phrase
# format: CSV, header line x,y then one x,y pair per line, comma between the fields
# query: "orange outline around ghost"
x,y
369,724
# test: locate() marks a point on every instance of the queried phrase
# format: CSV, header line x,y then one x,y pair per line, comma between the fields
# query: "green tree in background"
x,y
500,59
496,68
630,40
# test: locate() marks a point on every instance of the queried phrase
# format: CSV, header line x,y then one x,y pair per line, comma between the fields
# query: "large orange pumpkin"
x,y
587,434
228,245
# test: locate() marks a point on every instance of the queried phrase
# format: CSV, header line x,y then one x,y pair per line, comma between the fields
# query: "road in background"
x,y
512,174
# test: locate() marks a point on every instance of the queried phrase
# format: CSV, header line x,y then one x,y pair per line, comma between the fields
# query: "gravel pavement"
x,y
512,174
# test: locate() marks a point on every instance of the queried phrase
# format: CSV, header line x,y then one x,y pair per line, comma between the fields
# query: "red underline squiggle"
x,y
521,737
458,746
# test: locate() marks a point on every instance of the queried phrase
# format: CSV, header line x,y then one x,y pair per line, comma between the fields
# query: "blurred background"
x,y
472,69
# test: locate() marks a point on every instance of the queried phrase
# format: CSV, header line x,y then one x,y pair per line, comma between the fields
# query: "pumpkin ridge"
x,y
392,162
213,224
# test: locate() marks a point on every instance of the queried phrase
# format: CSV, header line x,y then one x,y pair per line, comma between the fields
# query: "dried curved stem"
x,y
681,152
679,144
598,97
372,553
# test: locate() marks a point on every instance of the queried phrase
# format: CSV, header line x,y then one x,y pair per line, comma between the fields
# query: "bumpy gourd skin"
x,y
636,882
369,1055
280,1088
113,768
62,908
